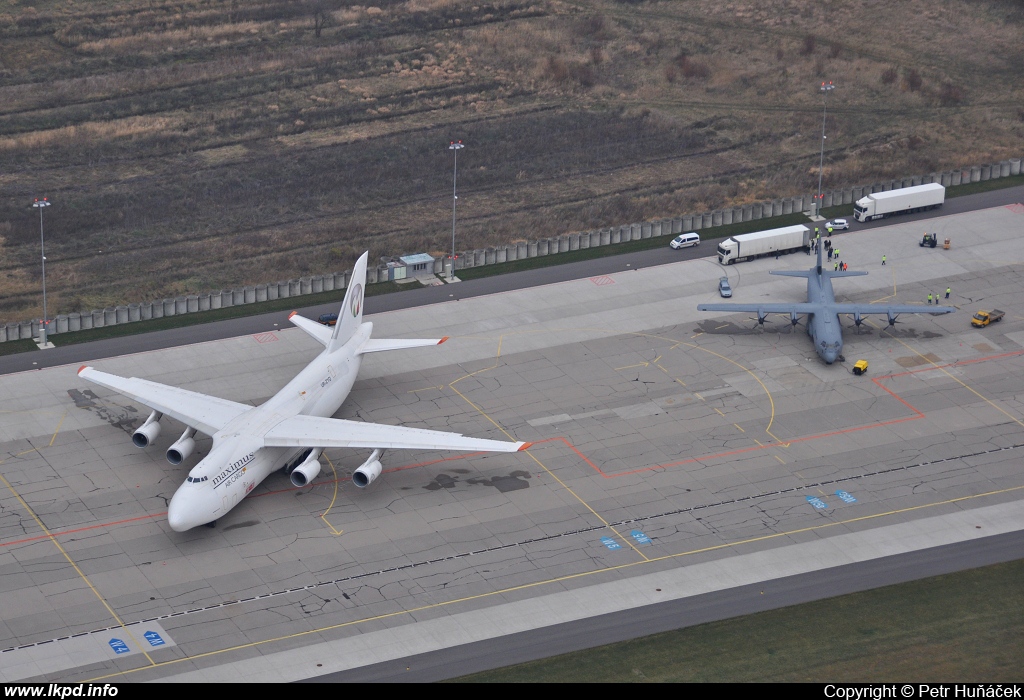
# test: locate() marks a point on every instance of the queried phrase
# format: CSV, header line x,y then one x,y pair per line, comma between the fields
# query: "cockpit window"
x,y
196,480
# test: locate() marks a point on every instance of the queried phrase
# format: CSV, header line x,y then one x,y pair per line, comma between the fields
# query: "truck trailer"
x,y
776,241
878,205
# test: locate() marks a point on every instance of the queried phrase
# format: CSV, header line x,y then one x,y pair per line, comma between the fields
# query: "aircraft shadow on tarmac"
x,y
717,327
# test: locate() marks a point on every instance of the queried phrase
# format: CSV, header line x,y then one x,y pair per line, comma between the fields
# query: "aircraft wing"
x,y
207,414
311,431
762,309
892,309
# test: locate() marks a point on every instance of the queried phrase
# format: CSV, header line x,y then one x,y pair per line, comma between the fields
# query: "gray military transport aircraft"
x,y
822,309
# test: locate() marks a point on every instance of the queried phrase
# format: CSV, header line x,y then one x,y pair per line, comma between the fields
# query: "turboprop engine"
x,y
307,471
179,451
368,470
149,431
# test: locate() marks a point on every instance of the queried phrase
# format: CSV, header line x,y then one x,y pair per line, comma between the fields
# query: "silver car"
x,y
723,287
838,225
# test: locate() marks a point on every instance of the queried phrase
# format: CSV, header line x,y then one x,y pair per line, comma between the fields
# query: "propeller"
x,y
857,320
892,320
794,321
761,316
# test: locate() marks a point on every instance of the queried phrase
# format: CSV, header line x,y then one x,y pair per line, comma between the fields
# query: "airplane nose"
x,y
185,512
177,518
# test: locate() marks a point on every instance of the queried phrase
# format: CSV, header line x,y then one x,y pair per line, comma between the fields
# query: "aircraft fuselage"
x,y
824,328
238,462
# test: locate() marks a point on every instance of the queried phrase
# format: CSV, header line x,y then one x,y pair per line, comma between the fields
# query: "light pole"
x,y
454,147
825,89
40,205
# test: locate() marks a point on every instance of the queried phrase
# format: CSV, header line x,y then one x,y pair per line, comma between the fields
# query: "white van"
x,y
685,240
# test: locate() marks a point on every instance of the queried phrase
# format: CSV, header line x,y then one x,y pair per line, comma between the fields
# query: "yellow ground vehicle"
x,y
860,366
983,318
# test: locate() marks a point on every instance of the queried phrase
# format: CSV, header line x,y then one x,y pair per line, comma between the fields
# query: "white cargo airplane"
x,y
290,430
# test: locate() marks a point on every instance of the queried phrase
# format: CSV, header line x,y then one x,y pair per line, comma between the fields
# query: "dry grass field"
x,y
191,145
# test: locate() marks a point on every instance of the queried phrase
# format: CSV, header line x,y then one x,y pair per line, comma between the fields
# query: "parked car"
x,y
838,225
328,319
685,240
723,287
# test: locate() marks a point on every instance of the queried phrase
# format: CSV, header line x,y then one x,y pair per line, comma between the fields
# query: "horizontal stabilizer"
x,y
311,431
381,345
848,273
319,332
793,273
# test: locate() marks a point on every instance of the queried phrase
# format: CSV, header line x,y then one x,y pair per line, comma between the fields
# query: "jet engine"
x,y
368,470
150,430
179,451
307,471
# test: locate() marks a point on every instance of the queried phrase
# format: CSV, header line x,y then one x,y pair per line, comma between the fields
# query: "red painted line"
x,y
807,438
64,533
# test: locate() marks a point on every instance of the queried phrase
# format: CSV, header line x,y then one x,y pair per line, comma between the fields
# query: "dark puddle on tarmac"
x,y
514,481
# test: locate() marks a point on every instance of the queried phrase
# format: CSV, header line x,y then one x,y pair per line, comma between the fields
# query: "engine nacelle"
x,y
368,470
307,471
150,430
179,451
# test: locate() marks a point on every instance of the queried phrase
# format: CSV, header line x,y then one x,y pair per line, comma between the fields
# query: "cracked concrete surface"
x,y
645,414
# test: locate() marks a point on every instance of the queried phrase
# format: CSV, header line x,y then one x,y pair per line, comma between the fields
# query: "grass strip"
x,y
13,347
965,626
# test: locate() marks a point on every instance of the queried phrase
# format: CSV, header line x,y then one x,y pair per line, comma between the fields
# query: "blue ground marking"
x,y
640,537
846,497
817,502
154,639
118,646
610,543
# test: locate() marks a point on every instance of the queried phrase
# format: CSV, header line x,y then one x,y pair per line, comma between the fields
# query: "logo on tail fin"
x,y
357,299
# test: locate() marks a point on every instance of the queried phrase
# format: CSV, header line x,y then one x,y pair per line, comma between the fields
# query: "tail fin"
x,y
818,244
350,317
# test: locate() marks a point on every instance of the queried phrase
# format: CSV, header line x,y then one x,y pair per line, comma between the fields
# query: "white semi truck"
x,y
777,241
901,201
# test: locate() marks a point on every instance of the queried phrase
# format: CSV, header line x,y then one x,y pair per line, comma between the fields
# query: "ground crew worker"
x,y
830,230
836,268
948,290
929,298
844,267
883,260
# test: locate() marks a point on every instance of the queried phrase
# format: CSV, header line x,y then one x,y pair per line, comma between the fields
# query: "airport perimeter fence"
x,y
99,318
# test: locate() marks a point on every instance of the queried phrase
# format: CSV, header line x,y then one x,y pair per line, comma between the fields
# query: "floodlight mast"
x,y
825,89
40,205
454,147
